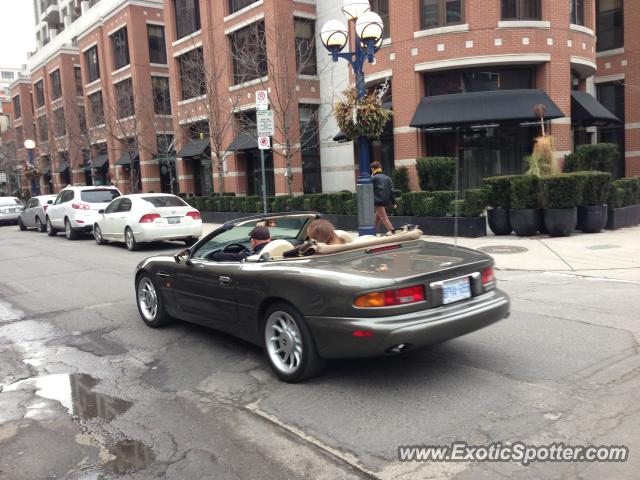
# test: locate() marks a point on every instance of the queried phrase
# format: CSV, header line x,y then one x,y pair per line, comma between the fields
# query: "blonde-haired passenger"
x,y
323,231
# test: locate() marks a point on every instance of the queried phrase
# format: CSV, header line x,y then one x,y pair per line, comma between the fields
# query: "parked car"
x,y
382,295
35,213
75,209
10,208
147,217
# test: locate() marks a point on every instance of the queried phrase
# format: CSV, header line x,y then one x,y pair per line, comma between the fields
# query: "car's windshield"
x,y
99,196
7,201
287,228
165,201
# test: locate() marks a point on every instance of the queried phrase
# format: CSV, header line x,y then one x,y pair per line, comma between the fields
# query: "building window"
x,y
93,64
39,93
7,75
309,141
478,80
161,95
120,46
157,46
192,74
59,125
43,131
235,5
56,86
249,51
78,76
17,111
187,17
521,10
611,95
125,105
577,12
609,25
381,7
305,46
97,109
440,13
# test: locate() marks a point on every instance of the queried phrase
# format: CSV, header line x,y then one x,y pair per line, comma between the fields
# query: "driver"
x,y
259,237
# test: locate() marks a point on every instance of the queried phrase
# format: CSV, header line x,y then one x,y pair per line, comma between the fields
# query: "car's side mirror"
x,y
183,257
50,202
101,211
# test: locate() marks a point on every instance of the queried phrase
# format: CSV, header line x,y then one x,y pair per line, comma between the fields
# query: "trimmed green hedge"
x,y
630,188
400,179
524,191
561,191
595,187
475,202
600,157
438,204
498,191
436,173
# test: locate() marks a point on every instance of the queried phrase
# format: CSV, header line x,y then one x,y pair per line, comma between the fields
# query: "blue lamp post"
x,y
35,187
335,36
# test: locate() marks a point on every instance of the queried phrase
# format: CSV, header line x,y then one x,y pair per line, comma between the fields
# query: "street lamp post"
x,y
35,187
368,36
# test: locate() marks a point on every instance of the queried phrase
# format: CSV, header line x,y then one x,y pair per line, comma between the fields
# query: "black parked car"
x,y
370,297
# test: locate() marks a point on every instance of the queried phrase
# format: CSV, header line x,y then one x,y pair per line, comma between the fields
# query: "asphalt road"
x,y
90,392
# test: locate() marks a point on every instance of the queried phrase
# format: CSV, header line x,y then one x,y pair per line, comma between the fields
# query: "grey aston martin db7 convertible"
x,y
306,302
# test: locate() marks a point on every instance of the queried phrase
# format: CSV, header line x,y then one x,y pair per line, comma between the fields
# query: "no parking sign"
x,y
264,143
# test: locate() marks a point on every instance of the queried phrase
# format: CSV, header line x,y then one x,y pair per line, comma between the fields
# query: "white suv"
x,y
76,209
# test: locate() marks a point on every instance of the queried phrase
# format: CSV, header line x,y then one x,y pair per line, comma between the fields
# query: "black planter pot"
x,y
560,222
592,218
623,217
499,222
525,221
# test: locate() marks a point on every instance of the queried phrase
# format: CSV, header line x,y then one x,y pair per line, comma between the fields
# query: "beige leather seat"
x,y
344,236
276,248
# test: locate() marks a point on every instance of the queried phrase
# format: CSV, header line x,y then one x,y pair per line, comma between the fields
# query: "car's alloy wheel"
x,y
97,234
130,240
69,232
289,346
40,226
50,230
21,224
150,303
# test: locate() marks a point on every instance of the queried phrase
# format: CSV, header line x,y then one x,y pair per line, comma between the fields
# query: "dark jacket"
x,y
382,190
237,257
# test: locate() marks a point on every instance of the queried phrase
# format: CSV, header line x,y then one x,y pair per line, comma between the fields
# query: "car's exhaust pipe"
x,y
398,349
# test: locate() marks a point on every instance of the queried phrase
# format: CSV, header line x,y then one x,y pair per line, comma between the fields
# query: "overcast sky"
x,y
17,32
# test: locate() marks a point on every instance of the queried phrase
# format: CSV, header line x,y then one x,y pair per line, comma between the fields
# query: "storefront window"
x,y
611,95
478,80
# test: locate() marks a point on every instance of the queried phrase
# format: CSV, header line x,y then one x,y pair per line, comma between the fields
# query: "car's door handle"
x,y
224,280
163,274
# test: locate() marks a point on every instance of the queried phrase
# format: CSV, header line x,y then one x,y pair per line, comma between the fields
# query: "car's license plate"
x,y
173,220
455,290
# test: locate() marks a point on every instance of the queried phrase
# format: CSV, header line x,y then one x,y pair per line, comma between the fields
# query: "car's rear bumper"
x,y
9,217
153,233
334,335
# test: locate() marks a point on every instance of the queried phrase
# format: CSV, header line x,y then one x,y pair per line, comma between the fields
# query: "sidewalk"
x,y
612,255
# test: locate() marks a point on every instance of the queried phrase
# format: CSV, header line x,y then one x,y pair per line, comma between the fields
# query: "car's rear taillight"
x,y
488,279
195,215
390,298
149,218
80,206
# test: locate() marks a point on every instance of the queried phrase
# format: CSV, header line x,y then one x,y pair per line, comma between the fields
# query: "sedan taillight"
x,y
80,206
149,218
488,279
390,298
195,215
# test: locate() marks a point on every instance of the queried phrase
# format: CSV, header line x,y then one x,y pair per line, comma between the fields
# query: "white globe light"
x,y
29,144
352,9
334,35
369,26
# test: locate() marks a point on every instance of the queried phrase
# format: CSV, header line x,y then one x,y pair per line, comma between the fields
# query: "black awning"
x,y
127,158
483,108
61,168
586,111
100,160
340,137
243,141
195,148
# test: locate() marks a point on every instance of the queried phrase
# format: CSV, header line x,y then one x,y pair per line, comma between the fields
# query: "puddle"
x,y
131,456
75,393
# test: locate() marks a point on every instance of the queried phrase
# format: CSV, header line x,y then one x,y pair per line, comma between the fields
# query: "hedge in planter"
x,y
436,173
475,202
499,200
592,210
400,179
600,157
436,205
525,214
561,195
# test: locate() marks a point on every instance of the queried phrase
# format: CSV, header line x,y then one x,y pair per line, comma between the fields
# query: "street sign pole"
x,y
264,182
265,130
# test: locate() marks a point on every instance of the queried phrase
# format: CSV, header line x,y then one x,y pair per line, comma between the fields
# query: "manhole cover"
x,y
602,247
504,249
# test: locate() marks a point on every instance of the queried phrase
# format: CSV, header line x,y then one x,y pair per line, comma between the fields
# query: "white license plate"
x,y
173,220
456,290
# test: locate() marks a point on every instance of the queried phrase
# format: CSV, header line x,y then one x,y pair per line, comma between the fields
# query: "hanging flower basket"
x,y
361,117
32,172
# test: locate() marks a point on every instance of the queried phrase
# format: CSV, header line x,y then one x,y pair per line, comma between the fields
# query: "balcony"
x,y
51,14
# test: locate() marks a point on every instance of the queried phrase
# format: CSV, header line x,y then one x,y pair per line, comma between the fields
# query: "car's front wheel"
x,y
21,224
97,234
150,303
50,230
289,346
41,227
130,240
69,232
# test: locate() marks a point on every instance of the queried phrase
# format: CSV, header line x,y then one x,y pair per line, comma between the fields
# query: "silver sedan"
x,y
10,208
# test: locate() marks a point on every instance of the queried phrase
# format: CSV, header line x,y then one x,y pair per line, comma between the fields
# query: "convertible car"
x,y
306,302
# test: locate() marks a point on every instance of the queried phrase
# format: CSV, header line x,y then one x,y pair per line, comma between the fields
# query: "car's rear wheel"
x,y
150,303
130,240
289,346
97,234
21,224
50,230
69,232
40,226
